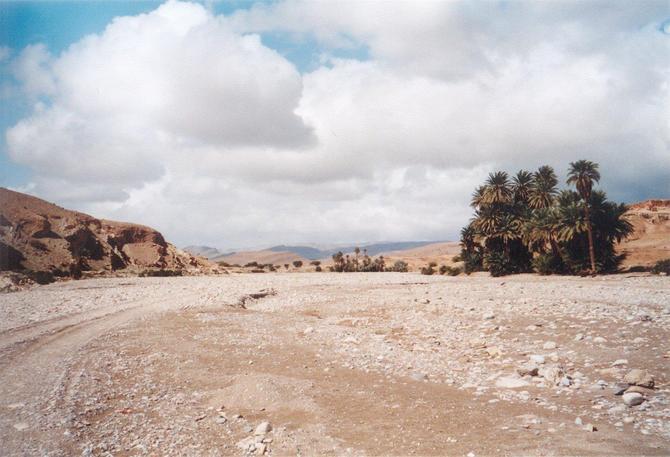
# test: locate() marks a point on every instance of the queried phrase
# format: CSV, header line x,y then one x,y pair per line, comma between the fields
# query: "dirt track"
x,y
359,364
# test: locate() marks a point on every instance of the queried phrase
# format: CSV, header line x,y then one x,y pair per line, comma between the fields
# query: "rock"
x,y
261,448
510,383
552,374
599,340
639,377
590,428
578,421
579,337
536,358
619,389
263,428
247,444
21,426
638,340
494,351
489,316
549,345
616,409
619,362
308,330
418,376
565,381
628,420
527,370
640,390
633,398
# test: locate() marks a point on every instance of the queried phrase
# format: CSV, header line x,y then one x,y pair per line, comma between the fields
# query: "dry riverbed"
x,y
337,364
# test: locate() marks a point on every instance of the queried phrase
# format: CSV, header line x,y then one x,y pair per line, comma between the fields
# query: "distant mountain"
x,y
203,251
373,249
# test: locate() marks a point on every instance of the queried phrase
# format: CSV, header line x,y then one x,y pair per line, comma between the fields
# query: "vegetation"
x,y
526,224
160,273
399,266
357,263
297,263
662,266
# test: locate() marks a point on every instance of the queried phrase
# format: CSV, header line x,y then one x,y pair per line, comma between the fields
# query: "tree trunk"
x,y
554,247
589,230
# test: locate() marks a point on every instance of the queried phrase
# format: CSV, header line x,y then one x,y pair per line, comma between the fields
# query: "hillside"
x,y
651,240
262,257
38,236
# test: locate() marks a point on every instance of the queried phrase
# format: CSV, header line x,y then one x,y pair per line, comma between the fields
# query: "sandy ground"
x,y
338,364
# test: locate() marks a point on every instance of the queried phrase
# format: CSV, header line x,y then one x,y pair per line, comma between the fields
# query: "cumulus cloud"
x,y
189,122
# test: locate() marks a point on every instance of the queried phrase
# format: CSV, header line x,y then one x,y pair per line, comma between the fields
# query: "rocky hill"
x,y
41,238
651,240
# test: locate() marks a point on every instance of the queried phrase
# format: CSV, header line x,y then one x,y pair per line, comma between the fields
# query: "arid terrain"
x,y
337,364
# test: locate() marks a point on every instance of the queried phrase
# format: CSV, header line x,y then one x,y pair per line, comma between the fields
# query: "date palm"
x,y
543,191
522,183
583,174
497,190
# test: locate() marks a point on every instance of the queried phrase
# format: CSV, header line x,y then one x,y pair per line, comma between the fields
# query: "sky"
x,y
248,124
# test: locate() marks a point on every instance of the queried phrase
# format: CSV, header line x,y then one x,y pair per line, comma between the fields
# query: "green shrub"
x,y
318,269
443,269
400,266
297,263
428,270
548,264
161,273
452,271
662,266
251,264
498,264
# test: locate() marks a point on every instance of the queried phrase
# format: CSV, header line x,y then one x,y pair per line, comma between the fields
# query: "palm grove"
x,y
525,223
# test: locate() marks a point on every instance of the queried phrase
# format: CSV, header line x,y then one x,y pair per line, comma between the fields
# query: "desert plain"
x,y
337,364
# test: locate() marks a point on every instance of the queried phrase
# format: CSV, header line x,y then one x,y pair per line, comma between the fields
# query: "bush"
x,y
428,270
286,265
316,263
498,264
443,269
318,269
224,264
662,266
548,264
297,263
400,266
258,270
451,271
251,264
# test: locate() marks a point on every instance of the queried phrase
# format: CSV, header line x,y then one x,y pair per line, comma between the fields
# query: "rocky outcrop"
x,y
38,236
651,240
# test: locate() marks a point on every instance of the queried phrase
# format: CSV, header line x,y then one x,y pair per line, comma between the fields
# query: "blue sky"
x,y
382,116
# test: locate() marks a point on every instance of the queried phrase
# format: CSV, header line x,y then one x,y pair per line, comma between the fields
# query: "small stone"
x,y
565,381
578,421
619,389
527,370
590,428
633,398
628,420
639,377
619,362
489,316
21,426
510,383
549,345
618,424
263,428
640,390
308,330
579,337
539,359
418,376
599,340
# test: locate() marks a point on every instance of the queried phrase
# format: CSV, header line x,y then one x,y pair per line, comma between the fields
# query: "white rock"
x,y
510,383
539,359
633,398
578,421
549,345
263,428
599,340
579,337
21,426
619,362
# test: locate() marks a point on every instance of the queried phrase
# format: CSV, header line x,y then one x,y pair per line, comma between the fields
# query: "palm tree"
x,y
543,189
478,197
497,190
583,173
522,184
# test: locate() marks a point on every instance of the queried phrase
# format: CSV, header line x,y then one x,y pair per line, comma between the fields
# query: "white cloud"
x,y
188,122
